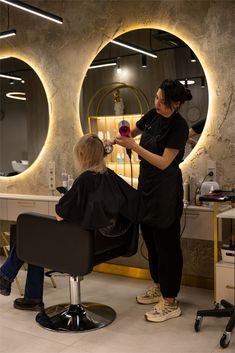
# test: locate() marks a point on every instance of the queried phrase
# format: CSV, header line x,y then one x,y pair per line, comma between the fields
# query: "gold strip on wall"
x,y
121,270
143,273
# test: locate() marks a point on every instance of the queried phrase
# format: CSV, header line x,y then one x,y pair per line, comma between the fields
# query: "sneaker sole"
x,y
172,315
37,308
149,301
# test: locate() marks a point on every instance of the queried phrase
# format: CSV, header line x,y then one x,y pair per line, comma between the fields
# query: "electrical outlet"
x,y
51,175
211,167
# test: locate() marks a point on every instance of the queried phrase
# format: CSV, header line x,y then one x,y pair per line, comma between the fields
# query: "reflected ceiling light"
x,y
187,82
193,58
34,10
135,48
9,33
203,82
101,65
17,78
17,95
144,60
22,81
11,82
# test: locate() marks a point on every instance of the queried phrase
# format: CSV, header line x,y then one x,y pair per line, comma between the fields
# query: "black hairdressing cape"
x,y
96,198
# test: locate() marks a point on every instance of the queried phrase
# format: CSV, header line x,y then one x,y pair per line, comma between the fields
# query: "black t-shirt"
x,y
160,133
96,198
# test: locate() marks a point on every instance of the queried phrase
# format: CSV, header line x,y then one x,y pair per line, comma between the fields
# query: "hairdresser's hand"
x,y
127,142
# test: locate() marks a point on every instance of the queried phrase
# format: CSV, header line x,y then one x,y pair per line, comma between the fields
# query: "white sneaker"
x,y
153,295
163,311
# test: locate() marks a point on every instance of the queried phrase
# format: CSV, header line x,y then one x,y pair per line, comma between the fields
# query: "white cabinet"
x,y
12,205
225,282
16,207
197,223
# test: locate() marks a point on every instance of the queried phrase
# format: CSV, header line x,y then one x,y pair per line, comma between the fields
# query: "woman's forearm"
x,y
161,162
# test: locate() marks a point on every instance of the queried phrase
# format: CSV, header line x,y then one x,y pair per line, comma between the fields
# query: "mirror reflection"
x,y
23,116
122,81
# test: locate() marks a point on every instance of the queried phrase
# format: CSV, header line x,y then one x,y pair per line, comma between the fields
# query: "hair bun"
x,y
188,95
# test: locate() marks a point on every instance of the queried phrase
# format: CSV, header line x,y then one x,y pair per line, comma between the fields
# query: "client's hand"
x,y
58,218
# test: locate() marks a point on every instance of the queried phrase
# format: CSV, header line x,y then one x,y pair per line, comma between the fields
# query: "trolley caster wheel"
x,y
225,340
198,323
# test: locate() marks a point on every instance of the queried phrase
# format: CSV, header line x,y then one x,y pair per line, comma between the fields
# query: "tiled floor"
x,y
129,333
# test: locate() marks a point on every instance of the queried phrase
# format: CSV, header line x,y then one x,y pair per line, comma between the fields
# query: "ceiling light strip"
x,y
17,78
34,10
5,34
101,65
135,48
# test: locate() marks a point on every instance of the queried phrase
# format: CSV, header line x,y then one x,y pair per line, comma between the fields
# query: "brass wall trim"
x,y
133,272
142,273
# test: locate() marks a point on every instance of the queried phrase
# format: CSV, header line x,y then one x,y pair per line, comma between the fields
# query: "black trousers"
x,y
165,257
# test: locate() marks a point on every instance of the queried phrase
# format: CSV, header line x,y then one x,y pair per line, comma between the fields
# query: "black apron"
x,y
162,190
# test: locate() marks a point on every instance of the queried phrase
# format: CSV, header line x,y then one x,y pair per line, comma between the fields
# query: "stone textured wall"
x,y
61,54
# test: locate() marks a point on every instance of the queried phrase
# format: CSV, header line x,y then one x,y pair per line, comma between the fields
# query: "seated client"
x,y
98,197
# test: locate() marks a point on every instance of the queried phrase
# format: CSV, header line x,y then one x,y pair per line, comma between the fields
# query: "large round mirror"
x,y
23,116
122,81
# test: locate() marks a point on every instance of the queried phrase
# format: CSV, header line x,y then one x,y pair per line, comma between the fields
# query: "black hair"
x,y
175,91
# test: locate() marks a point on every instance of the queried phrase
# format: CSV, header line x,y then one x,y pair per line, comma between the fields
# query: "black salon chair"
x,y
72,250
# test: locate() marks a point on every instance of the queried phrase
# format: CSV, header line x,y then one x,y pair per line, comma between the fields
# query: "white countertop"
x,y
52,198
29,197
227,214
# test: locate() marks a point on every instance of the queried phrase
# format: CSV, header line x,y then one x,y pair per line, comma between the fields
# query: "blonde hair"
x,y
89,153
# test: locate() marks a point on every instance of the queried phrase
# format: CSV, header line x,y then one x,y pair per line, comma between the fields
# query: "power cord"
x,y
185,219
129,153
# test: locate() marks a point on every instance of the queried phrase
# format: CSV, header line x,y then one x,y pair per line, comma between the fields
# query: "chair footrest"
x,y
76,318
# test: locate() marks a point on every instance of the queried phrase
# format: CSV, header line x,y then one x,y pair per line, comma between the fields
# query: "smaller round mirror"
x,y
23,116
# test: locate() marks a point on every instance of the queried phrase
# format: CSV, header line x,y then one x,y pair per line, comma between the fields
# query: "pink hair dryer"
x,y
124,128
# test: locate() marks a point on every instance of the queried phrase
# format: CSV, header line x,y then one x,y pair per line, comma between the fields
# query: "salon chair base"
x,y
228,310
76,318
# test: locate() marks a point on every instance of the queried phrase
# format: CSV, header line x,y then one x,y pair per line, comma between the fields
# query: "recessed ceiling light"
x,y
9,33
17,78
185,82
132,47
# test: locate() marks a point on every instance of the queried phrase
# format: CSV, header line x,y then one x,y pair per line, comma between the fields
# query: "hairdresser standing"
x,y
164,135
